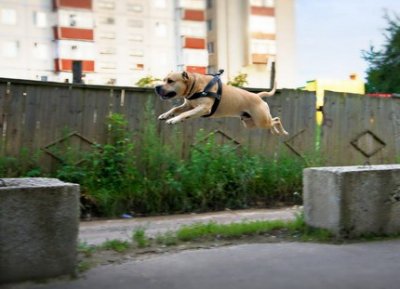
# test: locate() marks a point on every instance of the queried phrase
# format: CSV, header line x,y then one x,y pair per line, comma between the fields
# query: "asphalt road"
x,y
374,265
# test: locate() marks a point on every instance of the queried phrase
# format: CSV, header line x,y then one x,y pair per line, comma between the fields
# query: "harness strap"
x,y
207,93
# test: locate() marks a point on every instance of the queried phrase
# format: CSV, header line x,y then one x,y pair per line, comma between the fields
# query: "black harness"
x,y
207,93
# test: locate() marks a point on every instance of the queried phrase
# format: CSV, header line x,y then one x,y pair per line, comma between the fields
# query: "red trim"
x,y
81,4
66,65
262,11
194,15
197,43
73,33
196,69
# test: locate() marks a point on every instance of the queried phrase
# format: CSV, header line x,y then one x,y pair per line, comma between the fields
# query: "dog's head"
x,y
176,84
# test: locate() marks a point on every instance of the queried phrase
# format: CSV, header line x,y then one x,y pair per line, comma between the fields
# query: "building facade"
x,y
119,42
247,36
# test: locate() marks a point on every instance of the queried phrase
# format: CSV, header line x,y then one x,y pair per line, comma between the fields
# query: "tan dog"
x,y
235,102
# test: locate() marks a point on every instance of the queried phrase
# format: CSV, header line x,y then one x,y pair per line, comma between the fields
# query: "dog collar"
x,y
188,94
207,93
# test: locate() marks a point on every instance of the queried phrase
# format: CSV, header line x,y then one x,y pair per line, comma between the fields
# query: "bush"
x,y
26,164
118,178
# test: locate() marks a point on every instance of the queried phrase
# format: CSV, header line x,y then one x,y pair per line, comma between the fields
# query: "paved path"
x,y
374,265
96,232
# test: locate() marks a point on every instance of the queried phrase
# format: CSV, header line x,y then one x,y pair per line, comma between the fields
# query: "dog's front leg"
x,y
196,112
175,110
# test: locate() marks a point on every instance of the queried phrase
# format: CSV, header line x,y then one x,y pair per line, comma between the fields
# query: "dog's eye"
x,y
169,81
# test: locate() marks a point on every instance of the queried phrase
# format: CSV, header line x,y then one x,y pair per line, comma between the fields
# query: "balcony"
x,y
196,69
259,58
262,35
65,65
195,43
262,11
79,4
73,33
193,15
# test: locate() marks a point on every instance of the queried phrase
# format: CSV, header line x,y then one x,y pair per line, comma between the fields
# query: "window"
x,y
263,46
10,49
135,37
160,29
263,24
159,3
137,53
107,20
40,19
211,69
262,3
135,7
8,16
193,4
72,20
111,50
107,65
40,51
109,35
209,25
210,47
135,23
139,66
193,28
106,4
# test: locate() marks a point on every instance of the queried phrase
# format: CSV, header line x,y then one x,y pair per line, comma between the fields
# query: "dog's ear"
x,y
185,75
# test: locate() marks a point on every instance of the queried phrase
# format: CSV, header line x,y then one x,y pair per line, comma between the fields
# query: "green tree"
x,y
383,73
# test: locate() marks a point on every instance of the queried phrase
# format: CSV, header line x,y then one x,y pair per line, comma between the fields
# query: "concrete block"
x,y
353,200
39,222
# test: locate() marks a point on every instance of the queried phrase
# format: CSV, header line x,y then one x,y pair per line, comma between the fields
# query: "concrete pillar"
x,y
39,221
353,200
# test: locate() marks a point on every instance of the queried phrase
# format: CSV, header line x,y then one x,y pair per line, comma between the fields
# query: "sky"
x,y
331,34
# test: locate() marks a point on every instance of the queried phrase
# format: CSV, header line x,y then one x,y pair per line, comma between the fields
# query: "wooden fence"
x,y
42,116
360,130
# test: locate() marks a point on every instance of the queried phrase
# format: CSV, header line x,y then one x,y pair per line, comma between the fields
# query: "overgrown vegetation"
x,y
24,165
138,174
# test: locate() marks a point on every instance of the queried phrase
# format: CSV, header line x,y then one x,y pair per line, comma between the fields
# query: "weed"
x,y
83,266
25,164
139,236
167,239
86,249
116,245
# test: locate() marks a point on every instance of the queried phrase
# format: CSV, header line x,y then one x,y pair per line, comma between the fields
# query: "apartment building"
x,y
119,42
246,36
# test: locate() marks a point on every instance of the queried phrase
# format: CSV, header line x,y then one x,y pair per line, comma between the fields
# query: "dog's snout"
x,y
158,88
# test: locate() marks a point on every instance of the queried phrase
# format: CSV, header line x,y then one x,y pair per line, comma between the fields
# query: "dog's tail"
x,y
268,93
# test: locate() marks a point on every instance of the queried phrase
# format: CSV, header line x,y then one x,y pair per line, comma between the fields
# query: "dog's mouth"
x,y
164,94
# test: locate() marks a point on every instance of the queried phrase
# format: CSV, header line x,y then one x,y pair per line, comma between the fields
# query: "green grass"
x,y
116,245
233,230
86,249
140,238
167,239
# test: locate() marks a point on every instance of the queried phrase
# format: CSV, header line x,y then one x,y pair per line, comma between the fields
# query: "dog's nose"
x,y
158,89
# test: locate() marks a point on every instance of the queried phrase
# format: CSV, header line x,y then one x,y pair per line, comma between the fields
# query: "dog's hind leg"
x,y
277,124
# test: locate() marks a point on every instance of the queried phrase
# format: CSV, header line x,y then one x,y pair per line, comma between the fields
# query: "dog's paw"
x,y
173,120
164,116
